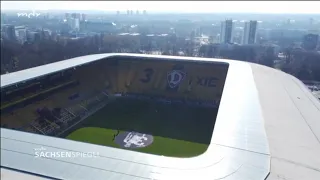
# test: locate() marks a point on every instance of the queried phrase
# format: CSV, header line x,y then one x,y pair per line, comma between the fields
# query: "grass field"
x,y
177,130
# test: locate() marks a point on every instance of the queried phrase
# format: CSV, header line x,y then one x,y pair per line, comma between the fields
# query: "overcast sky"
x,y
298,7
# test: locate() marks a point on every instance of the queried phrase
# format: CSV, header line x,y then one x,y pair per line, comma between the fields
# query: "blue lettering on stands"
x,y
148,75
207,81
175,77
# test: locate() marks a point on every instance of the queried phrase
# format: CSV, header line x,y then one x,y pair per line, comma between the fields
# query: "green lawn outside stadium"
x,y
178,131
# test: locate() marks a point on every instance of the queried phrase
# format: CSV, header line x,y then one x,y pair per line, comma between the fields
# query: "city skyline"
x,y
270,7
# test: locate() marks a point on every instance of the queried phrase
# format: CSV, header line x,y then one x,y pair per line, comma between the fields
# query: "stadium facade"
x,y
267,127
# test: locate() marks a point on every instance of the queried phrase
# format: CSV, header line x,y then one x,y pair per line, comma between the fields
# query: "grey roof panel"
x,y
292,124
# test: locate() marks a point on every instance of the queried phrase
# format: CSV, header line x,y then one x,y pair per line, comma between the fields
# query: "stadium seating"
x,y
102,96
75,110
11,121
66,116
199,83
31,129
98,82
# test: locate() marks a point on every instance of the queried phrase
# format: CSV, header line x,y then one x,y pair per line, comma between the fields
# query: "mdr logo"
x,y
28,15
42,152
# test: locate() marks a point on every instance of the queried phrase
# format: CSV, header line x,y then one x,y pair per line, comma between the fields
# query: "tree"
x,y
269,57
304,73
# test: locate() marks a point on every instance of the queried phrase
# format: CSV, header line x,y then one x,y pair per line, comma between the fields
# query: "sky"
x,y
285,7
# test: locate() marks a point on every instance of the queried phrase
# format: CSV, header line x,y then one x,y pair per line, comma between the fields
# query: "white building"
x,y
250,32
21,34
47,33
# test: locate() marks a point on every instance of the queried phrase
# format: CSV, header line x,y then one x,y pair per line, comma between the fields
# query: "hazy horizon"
x,y
243,7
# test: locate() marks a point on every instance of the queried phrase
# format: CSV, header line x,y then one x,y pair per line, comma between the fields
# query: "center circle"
x,y
133,140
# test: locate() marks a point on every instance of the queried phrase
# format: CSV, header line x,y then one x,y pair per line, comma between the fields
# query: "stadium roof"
x,y
267,128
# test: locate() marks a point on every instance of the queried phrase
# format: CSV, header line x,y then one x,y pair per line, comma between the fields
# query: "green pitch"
x,y
178,131
160,145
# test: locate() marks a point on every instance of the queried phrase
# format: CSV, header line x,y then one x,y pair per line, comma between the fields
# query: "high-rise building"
x,y
3,18
137,12
199,31
37,36
128,12
9,32
78,16
74,15
144,12
33,36
75,24
226,35
65,28
21,34
311,21
310,41
67,16
249,32
46,33
83,17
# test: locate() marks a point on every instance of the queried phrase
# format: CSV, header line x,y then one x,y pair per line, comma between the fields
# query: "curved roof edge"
x,y
265,116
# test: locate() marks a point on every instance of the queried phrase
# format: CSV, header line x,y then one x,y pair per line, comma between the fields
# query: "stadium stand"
x,y
69,96
145,80
66,116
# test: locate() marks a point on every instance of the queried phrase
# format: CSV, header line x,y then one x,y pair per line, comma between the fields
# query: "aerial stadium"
x,y
158,117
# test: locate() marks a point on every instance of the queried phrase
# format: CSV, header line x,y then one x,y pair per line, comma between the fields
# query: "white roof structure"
x,y
267,127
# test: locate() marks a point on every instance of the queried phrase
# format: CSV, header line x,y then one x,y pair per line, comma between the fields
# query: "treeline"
x,y
303,64
14,57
